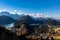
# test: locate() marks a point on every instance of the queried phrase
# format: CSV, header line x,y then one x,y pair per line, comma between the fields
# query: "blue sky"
x,y
49,7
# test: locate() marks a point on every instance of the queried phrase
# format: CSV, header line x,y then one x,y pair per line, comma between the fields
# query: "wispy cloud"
x,y
56,16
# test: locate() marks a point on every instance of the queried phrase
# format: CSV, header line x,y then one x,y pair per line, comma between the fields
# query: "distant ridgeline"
x,y
7,18
31,23
26,19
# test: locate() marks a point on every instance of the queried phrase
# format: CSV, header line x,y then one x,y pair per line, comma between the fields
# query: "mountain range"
x,y
7,18
30,20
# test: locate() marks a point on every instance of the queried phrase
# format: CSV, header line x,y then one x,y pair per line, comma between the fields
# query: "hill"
x,y
6,20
